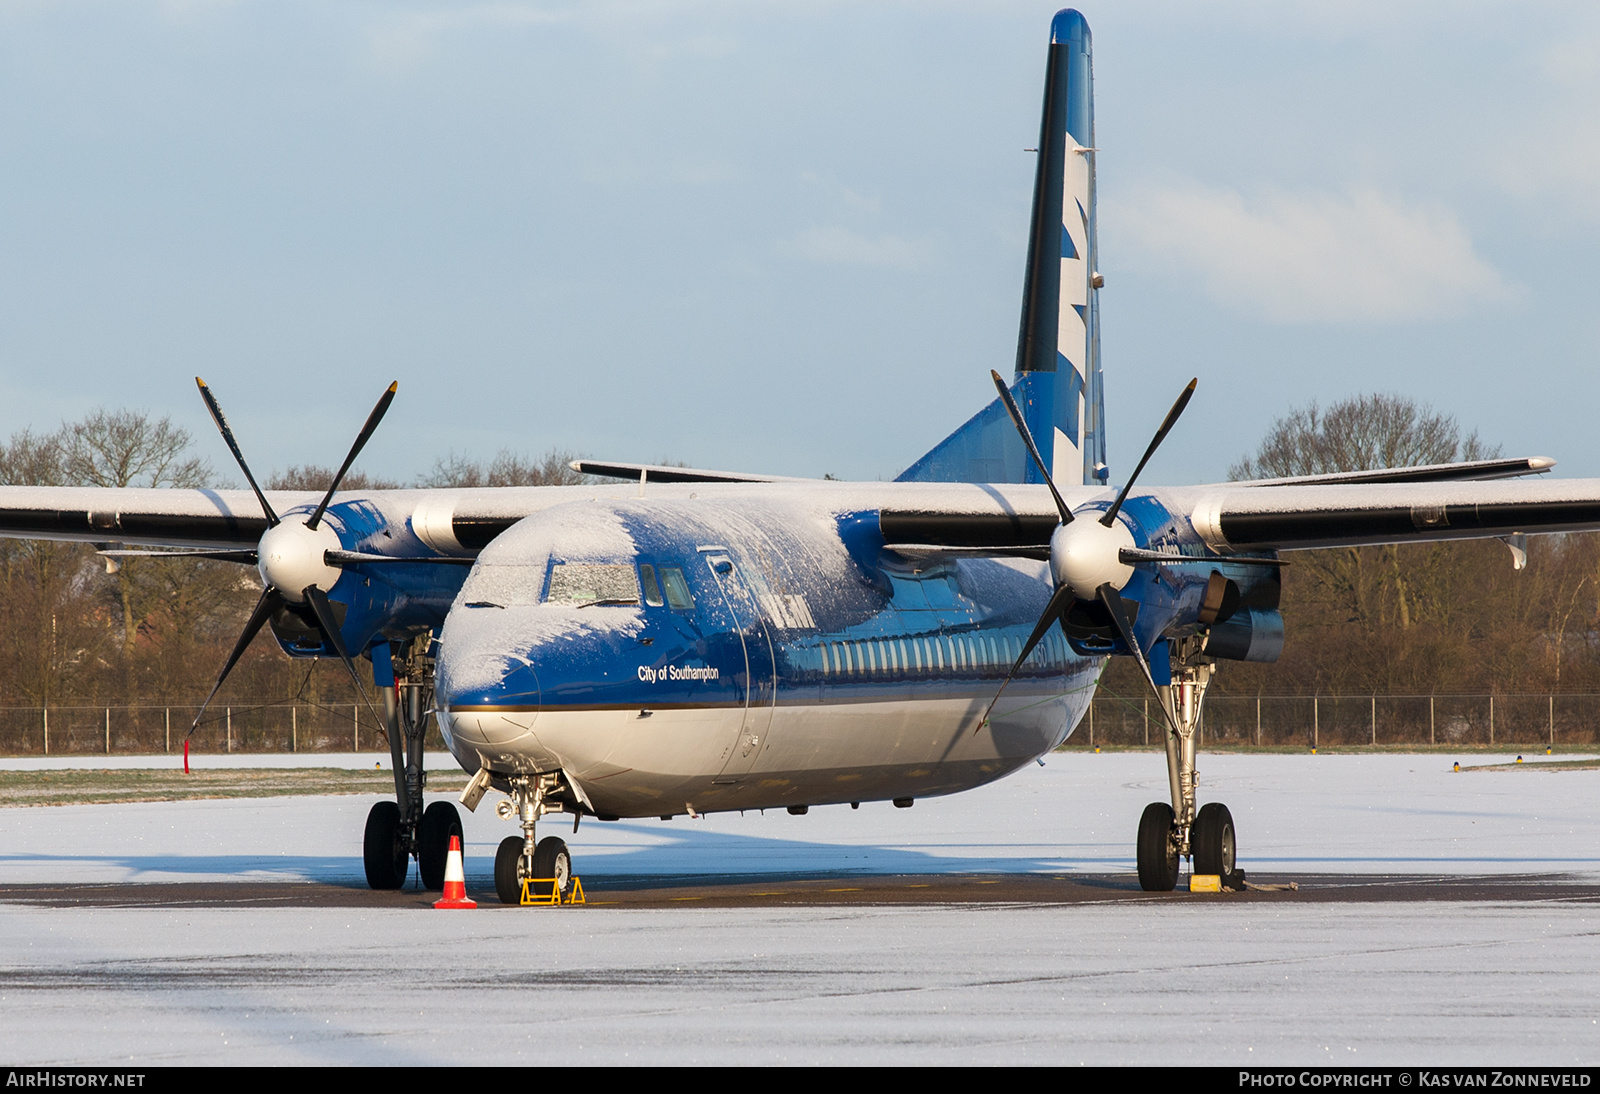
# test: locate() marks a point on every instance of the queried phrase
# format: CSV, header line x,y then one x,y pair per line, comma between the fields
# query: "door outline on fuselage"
x,y
760,673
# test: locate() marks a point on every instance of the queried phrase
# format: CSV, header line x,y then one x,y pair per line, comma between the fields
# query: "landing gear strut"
x,y
400,829
1170,833
522,858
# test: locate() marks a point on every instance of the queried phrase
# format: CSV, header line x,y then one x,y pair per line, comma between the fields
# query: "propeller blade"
x,y
271,600
1155,443
233,446
355,450
330,627
1131,555
1052,612
246,556
1112,600
1033,449
1040,551
362,558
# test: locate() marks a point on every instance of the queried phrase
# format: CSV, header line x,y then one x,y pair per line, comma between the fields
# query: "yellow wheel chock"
x,y
535,892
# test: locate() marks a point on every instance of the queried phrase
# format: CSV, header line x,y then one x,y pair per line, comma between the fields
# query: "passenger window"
x,y
677,588
652,591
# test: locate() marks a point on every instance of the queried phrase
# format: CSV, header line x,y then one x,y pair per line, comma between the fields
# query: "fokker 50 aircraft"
x,y
694,641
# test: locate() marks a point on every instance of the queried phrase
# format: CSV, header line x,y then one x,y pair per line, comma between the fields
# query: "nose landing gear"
x,y
520,858
551,866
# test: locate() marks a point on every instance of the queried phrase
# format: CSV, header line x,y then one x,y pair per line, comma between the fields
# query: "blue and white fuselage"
x,y
735,649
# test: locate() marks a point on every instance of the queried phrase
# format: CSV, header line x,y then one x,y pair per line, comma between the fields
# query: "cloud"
x,y
842,246
1312,257
402,39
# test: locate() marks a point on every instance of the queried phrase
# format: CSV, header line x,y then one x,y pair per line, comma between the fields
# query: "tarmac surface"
x,y
845,890
1440,919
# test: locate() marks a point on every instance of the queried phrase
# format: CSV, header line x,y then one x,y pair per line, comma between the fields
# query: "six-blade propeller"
x,y
299,560
1090,560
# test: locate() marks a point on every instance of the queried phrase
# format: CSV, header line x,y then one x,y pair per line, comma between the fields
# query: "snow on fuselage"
x,y
738,653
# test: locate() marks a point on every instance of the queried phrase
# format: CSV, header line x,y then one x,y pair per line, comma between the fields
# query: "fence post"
x,y
169,728
294,728
1431,741
1147,723
355,728
230,729
46,730
1552,721
1258,720
1091,721
1491,721
108,731
1374,718
1316,718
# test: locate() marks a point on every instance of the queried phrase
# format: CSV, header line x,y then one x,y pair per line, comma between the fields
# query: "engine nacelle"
x,y
1250,634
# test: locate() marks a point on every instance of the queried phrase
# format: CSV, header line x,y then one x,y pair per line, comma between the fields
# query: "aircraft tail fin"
x,y
1058,383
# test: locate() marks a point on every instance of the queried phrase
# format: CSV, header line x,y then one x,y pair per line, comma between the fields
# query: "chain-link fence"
x,y
1312,721
1272,721
150,728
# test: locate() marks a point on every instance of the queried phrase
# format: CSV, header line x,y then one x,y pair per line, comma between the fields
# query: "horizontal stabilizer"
x,y
1469,471
661,473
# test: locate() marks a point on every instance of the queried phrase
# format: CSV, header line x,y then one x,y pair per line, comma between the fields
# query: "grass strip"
x,y
69,786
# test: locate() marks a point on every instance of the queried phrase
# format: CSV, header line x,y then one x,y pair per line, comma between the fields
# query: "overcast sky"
x,y
785,237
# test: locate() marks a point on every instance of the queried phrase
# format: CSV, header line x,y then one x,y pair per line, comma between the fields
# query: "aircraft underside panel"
x,y
814,754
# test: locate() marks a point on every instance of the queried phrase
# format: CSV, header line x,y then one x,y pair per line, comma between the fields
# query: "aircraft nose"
x,y
486,703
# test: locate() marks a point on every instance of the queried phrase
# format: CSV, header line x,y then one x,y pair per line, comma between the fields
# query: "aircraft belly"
x,y
817,754
657,758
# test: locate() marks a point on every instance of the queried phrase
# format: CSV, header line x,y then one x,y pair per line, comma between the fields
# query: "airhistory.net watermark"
x,y
71,1077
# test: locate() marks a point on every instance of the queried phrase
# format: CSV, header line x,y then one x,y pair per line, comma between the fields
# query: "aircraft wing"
x,y
653,472
1239,517
1229,518
1467,470
1288,518
178,518
449,520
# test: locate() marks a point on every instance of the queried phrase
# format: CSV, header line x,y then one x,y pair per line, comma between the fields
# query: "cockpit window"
x,y
503,586
583,583
677,588
652,591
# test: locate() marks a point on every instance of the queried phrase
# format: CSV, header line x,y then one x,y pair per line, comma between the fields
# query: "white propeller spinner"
x,y
292,556
1084,555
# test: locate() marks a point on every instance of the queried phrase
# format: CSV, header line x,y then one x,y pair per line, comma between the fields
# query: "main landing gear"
x,y
1170,833
398,830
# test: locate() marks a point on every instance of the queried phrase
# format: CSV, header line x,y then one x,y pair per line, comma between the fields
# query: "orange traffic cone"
x,y
455,880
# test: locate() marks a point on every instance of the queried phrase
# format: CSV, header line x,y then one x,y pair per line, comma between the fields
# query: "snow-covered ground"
x,y
1301,813
1172,981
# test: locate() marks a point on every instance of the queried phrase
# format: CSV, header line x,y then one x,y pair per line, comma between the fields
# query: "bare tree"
x,y
317,479
47,610
1359,434
127,448
1364,433
506,469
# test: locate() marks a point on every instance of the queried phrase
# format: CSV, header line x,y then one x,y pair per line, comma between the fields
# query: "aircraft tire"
x,y
508,870
1212,840
1158,858
383,850
440,821
552,859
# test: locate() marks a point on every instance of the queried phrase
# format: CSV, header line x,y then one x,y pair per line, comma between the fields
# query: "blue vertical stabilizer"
x,y
1058,382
